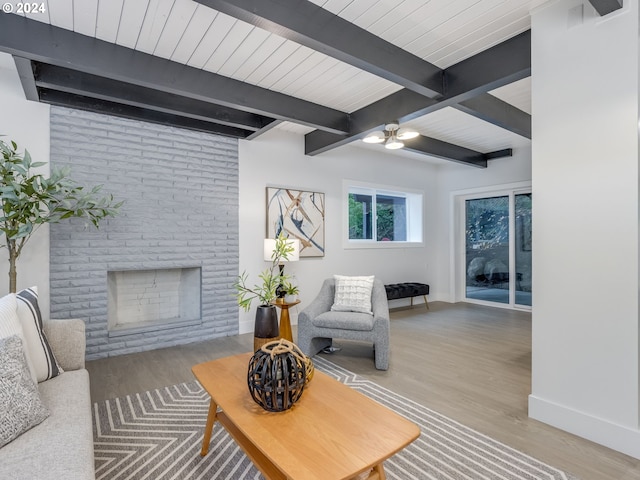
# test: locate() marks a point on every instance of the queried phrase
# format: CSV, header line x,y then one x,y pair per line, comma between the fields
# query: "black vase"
x,y
266,327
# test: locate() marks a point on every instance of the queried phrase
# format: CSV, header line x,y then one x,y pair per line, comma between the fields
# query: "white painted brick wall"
x,y
181,210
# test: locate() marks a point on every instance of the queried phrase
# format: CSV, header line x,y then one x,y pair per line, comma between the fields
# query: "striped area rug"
x,y
157,435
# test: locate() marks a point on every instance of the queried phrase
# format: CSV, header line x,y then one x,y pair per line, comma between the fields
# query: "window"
x,y
383,215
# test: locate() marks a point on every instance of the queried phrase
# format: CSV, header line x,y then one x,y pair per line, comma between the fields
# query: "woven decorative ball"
x,y
309,368
277,375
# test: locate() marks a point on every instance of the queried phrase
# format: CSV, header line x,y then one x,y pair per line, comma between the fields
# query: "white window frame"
x,y
457,259
415,216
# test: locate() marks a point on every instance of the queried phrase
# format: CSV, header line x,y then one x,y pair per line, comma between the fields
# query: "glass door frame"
x,y
460,241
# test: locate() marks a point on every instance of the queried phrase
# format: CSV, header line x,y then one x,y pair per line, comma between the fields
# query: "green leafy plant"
x,y
265,292
289,288
30,200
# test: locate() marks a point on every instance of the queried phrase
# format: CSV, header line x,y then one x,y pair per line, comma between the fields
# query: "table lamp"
x,y
293,256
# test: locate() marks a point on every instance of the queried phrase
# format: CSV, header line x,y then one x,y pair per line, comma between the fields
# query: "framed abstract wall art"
x,y
299,214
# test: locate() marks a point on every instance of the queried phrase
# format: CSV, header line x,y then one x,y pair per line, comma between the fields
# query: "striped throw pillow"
x,y
37,347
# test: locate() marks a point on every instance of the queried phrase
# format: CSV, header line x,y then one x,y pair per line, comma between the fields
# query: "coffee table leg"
x,y
211,418
377,473
379,469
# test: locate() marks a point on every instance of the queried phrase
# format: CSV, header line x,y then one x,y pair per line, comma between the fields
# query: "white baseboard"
x,y
618,437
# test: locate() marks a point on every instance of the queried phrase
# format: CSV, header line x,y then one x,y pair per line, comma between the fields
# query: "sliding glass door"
x,y
487,249
522,254
498,249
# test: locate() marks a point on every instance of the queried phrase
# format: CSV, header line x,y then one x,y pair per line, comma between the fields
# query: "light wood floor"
x,y
468,362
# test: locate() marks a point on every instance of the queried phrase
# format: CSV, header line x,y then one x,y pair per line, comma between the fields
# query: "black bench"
x,y
407,290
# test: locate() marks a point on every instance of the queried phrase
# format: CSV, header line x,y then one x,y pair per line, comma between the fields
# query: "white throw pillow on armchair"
x,y
353,294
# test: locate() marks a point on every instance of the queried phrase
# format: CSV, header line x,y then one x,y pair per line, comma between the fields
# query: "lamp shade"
x,y
270,246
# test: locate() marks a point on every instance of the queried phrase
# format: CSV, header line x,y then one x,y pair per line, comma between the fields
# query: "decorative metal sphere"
x,y
277,375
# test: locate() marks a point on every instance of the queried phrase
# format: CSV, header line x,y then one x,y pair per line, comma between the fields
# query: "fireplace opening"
x,y
154,299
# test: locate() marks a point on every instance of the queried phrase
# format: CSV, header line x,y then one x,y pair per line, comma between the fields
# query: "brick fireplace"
x,y
177,231
153,299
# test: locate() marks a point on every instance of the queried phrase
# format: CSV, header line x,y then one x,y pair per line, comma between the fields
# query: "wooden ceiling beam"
x,y
498,112
455,153
473,77
45,43
605,7
64,99
310,25
25,72
495,67
78,83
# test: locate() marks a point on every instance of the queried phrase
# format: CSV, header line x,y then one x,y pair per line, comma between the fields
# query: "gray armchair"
x,y
318,325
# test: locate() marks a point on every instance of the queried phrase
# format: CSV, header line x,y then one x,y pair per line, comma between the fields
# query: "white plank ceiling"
x,y
442,32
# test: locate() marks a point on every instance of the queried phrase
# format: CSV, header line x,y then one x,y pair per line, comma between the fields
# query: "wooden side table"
x,y
285,321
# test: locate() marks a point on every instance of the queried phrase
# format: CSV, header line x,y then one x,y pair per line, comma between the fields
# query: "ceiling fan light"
x,y
407,134
375,137
393,144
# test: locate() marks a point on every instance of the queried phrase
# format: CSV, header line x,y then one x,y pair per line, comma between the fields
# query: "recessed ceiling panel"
x,y
517,94
453,126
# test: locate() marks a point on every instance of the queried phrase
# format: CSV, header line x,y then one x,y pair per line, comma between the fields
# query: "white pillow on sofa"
x,y
353,294
39,353
10,325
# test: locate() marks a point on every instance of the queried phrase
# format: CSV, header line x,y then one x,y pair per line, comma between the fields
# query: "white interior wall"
x,y
276,159
26,123
585,222
455,180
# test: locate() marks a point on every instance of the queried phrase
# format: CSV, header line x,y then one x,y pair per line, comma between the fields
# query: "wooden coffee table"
x,y
332,433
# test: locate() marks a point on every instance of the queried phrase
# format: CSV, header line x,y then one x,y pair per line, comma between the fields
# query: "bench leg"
x,y
426,303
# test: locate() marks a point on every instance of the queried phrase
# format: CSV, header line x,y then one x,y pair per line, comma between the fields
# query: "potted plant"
x,y
30,200
266,322
290,292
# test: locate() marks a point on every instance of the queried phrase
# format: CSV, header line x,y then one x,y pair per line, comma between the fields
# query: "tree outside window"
x,y
382,216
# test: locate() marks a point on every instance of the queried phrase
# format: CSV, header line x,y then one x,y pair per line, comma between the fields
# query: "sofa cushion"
x,y
20,405
39,352
353,294
10,325
344,321
61,447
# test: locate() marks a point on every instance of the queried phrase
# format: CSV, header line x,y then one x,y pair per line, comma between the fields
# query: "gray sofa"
x,y
61,447
318,325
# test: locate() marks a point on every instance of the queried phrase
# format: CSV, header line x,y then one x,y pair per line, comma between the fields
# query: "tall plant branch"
x,y
31,200
271,278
